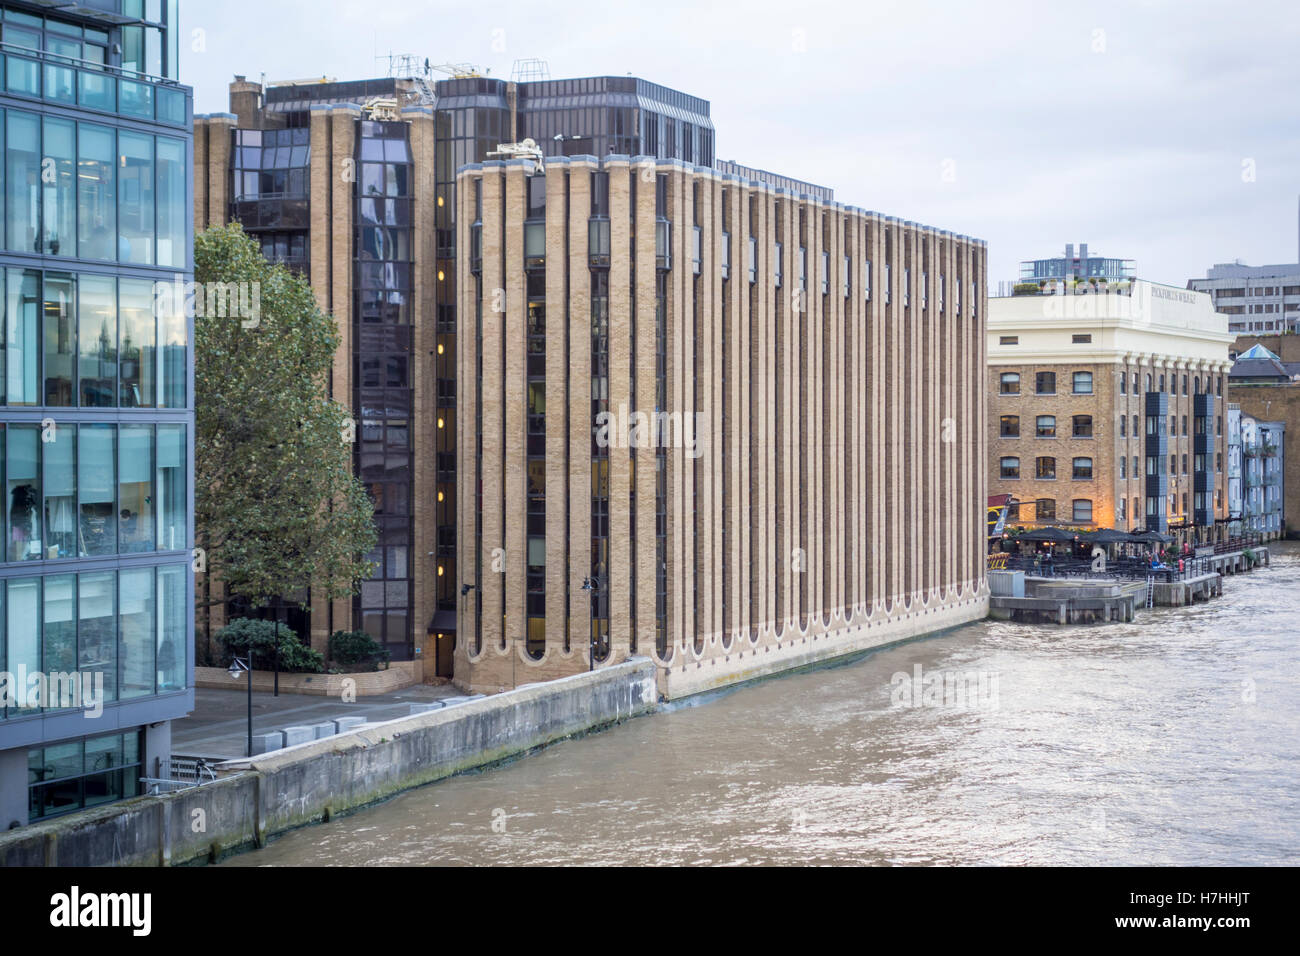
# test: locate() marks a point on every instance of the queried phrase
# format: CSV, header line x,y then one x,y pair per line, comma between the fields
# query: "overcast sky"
x,y
1164,131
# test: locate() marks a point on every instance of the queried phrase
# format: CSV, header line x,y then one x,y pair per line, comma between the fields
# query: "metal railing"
x,y
1125,567
176,773
84,64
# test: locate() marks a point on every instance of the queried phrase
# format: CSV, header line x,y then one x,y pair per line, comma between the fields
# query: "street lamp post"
x,y
592,589
244,665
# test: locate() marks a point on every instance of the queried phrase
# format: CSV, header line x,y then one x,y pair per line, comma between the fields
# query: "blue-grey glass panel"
x,y
171,106
97,340
173,617
173,343
96,193
23,492
172,492
135,488
23,629
133,48
97,629
22,332
136,99
136,351
96,484
22,76
137,644
60,83
59,188
172,207
135,198
22,181
59,633
60,319
97,91
59,480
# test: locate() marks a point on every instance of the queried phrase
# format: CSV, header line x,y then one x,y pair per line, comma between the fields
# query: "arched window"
x,y
1045,469
1046,426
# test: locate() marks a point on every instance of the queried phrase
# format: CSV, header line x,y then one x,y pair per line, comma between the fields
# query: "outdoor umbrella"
x,y
1110,536
1050,535
1152,537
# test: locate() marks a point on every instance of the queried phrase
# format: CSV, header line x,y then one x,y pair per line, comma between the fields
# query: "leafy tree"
x,y
277,507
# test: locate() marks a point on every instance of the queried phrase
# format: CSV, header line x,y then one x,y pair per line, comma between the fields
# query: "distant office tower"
x,y
1258,299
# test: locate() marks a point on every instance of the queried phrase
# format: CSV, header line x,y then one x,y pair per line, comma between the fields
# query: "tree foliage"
x,y
357,651
245,637
277,506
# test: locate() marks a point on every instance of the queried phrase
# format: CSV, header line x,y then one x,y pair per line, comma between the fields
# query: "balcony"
x,y
94,87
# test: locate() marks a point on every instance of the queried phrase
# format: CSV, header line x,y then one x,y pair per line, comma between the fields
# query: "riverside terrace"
x,y
1103,584
1062,552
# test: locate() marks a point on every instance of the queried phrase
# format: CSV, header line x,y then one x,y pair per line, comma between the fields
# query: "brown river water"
x,y
1172,740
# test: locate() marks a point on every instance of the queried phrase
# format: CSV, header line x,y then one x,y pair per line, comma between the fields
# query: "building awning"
x,y
442,621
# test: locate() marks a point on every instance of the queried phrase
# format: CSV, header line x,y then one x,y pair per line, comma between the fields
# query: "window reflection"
x,y
96,199
136,321
137,643
60,339
97,359
135,198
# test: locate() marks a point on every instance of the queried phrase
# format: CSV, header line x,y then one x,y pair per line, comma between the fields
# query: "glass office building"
x,y
96,405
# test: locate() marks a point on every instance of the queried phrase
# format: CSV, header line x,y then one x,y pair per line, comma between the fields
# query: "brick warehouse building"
x,y
1109,409
831,497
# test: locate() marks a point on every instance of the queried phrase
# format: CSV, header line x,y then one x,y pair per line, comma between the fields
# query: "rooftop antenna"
x,y
416,69
530,70
527,150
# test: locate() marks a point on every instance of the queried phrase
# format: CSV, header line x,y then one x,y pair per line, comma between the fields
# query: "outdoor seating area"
x,y
1066,552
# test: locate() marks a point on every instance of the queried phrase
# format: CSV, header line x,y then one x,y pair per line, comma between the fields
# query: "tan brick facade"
x,y
835,499
1128,347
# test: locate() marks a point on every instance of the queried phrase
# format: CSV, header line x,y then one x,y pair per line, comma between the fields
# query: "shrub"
x,y
244,634
357,651
1026,288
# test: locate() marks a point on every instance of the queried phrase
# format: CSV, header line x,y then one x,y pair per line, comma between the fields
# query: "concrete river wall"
x,y
310,783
